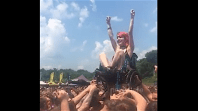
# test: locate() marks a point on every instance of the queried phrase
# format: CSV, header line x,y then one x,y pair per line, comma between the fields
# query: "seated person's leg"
x,y
103,59
118,60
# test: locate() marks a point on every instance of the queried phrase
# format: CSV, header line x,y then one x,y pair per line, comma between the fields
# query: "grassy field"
x,y
150,80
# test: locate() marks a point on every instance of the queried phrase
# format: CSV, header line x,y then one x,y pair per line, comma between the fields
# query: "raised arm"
x,y
77,99
139,99
63,97
110,33
130,48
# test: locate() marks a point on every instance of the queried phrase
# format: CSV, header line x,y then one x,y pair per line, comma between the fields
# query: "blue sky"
x,y
74,32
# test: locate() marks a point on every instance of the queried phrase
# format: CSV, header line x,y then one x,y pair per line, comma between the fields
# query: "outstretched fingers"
x,y
132,11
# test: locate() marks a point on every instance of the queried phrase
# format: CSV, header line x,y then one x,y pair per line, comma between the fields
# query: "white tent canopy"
x,y
42,83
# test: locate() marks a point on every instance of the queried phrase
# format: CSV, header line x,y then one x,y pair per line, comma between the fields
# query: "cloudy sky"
x,y
74,32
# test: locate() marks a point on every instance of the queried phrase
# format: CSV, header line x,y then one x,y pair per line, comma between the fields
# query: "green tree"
x,y
144,68
73,74
151,56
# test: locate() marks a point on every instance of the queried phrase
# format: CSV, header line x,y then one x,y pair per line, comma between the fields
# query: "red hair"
x,y
125,35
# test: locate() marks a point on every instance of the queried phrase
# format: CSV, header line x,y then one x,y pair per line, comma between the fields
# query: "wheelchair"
x,y
108,79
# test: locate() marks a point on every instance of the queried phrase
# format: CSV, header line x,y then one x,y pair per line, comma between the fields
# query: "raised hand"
x,y
108,20
62,95
132,13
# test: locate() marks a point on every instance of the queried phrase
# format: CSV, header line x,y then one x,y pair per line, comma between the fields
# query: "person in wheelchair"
x,y
124,45
123,51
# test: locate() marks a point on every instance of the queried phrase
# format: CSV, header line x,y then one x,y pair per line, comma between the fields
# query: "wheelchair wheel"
x,y
132,81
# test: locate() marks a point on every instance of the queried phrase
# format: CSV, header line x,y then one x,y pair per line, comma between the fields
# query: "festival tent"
x,y
81,77
42,83
81,80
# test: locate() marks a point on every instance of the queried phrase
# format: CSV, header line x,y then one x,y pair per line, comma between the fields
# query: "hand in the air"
x,y
108,20
132,13
62,95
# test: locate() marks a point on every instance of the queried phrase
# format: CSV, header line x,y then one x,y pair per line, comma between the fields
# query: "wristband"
x,y
109,28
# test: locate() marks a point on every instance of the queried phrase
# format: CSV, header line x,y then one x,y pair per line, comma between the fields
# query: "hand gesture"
x,y
108,20
62,95
132,13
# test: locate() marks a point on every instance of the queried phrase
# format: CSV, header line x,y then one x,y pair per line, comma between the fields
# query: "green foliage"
x,y
145,65
45,74
145,68
151,56
149,80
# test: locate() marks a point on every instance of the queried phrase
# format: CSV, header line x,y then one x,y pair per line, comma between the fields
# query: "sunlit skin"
x,y
121,41
155,68
122,94
122,47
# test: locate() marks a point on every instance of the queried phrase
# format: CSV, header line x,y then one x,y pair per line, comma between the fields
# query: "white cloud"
x,y
42,21
155,10
75,6
46,67
67,39
142,53
83,63
154,29
106,47
45,4
93,5
95,53
84,43
81,48
61,11
52,37
59,67
65,11
84,13
80,67
146,24
88,64
115,18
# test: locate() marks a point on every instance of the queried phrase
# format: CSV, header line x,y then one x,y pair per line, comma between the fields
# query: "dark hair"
x,y
152,106
43,104
120,105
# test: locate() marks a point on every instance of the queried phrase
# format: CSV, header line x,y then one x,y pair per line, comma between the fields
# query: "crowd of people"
x,y
88,98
